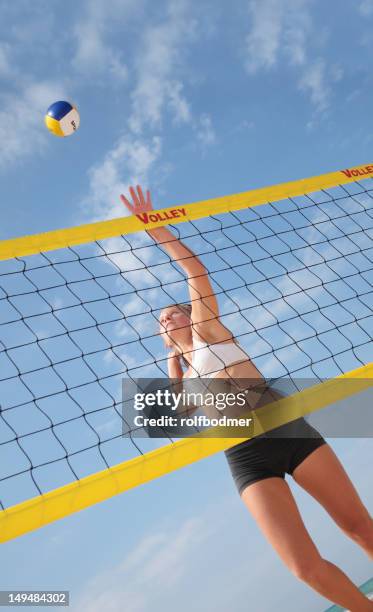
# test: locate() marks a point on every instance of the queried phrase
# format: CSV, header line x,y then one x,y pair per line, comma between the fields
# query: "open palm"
x,y
139,203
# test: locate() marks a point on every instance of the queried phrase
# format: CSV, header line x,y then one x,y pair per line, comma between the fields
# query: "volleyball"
x,y
62,118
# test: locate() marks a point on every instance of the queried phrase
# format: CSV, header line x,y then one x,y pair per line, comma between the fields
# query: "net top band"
x,y
81,234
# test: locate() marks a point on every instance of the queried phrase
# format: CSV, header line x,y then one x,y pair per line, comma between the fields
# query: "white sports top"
x,y
209,359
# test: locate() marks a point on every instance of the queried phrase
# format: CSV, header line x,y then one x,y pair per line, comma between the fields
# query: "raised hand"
x,y
140,203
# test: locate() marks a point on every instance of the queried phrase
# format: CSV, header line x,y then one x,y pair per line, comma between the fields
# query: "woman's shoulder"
x,y
214,338
198,340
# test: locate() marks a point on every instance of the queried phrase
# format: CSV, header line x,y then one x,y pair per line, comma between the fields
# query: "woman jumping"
x,y
197,339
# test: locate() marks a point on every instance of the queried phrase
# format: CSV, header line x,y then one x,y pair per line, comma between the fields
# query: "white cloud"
x,y
157,90
156,565
280,34
295,39
5,65
94,54
315,82
205,131
242,126
366,8
279,27
131,157
178,103
157,64
336,72
98,49
264,38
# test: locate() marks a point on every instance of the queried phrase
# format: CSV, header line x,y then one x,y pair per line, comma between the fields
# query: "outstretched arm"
x,y
205,310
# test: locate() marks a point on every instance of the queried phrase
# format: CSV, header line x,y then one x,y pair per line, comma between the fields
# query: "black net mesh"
x,y
293,281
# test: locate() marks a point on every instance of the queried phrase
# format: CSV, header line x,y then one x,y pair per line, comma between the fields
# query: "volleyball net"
x,y
291,267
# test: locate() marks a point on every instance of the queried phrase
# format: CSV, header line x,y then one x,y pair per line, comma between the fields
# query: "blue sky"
x,y
168,93
194,101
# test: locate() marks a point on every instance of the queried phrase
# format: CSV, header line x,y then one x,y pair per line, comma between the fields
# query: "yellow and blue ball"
x,y
62,118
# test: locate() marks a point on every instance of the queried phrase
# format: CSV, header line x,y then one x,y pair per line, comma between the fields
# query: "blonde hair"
x,y
187,308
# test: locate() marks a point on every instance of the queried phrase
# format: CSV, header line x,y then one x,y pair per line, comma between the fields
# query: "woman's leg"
x,y
273,506
322,475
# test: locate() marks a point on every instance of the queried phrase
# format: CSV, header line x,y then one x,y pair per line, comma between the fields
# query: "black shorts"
x,y
278,452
